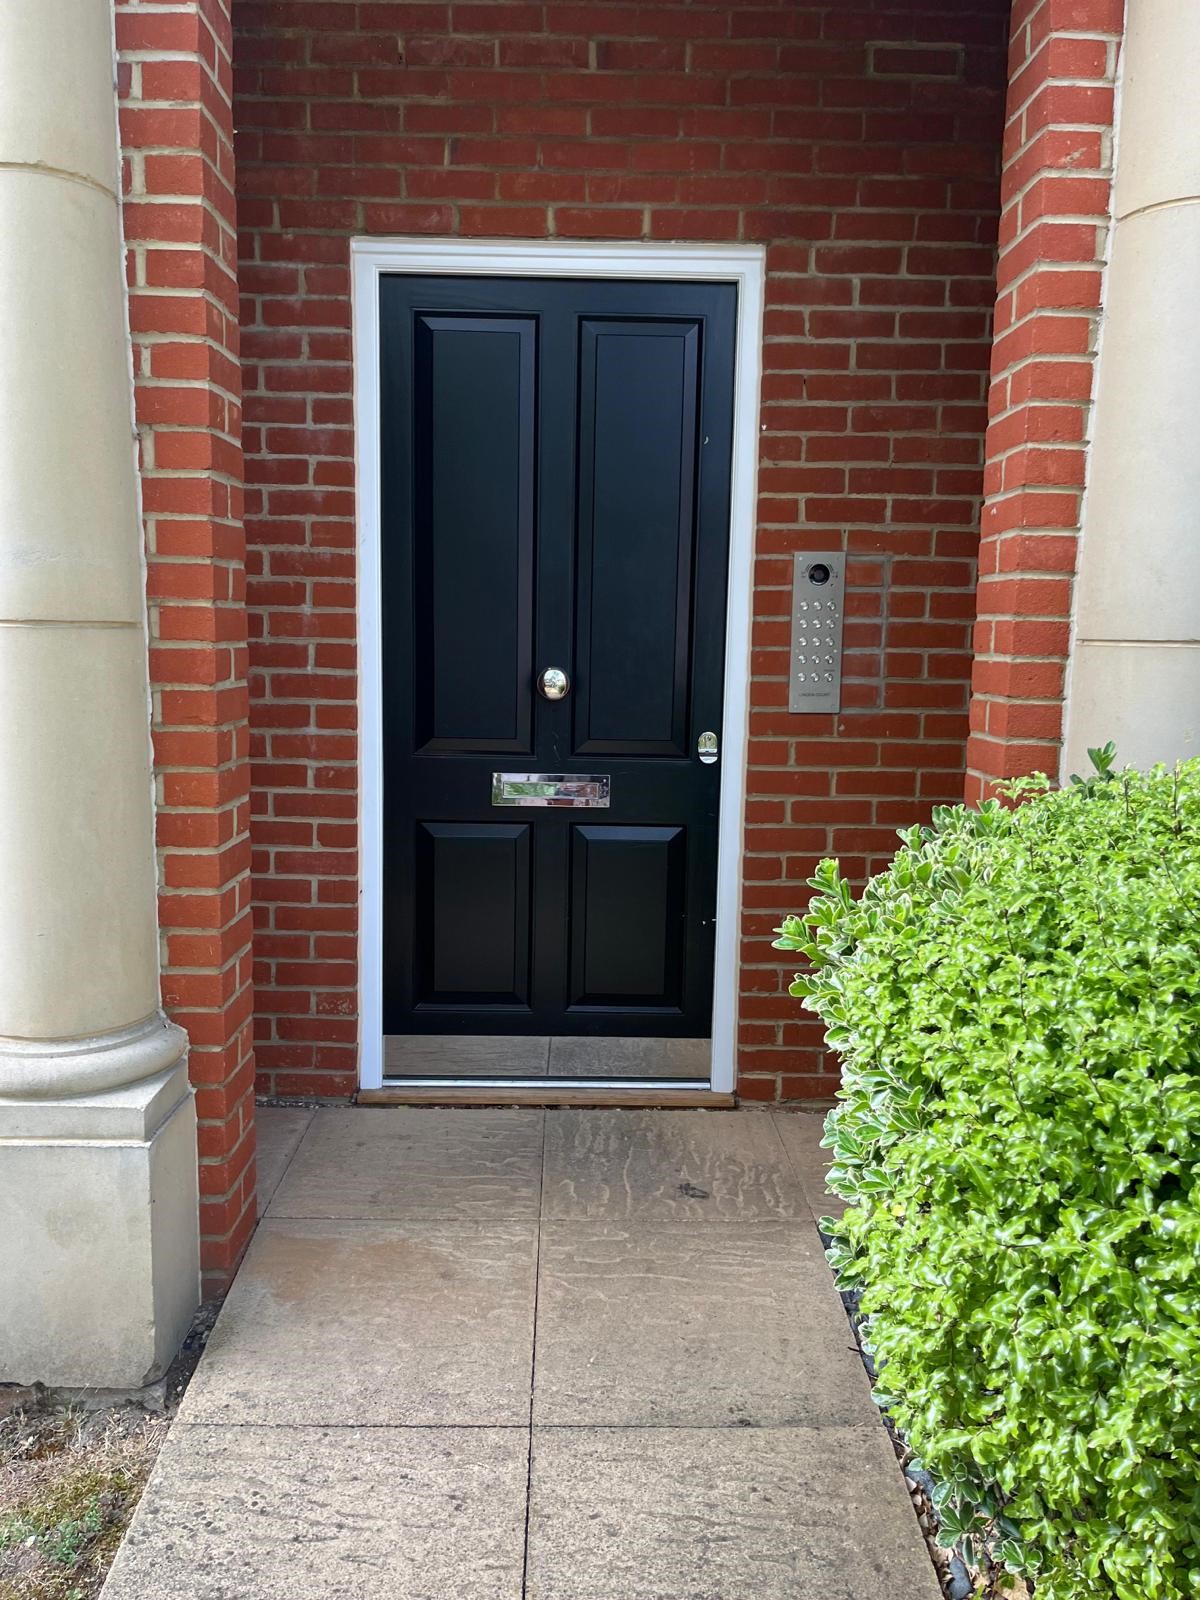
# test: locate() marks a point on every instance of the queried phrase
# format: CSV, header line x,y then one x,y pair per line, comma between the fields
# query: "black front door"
x,y
555,465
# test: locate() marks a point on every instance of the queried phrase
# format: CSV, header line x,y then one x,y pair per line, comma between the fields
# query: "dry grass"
x,y
69,1481
70,1478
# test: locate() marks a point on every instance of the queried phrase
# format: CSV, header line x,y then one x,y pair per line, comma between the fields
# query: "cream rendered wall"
x,y
1135,663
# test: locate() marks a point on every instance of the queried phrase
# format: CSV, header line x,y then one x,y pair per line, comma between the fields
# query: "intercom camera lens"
x,y
818,573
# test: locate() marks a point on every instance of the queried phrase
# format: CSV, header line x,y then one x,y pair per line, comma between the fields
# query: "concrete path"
x,y
563,1355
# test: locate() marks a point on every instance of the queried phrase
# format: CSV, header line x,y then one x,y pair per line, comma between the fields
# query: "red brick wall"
x,y
1053,232
860,143
176,131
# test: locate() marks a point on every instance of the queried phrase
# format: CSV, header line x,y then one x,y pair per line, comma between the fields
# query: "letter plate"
x,y
584,790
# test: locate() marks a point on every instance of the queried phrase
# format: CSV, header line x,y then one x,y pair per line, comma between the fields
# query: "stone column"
x,y
98,1194
1135,661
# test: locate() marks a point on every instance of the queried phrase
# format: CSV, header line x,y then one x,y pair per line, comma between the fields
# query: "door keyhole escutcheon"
x,y
706,748
553,683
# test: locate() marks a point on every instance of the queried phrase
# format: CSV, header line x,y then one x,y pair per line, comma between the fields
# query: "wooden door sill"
x,y
418,1094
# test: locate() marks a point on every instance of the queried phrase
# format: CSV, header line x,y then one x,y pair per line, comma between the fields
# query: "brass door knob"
x,y
553,683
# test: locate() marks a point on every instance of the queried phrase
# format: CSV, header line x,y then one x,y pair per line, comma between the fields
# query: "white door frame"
x,y
743,265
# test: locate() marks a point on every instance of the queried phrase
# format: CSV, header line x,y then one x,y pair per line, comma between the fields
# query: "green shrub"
x,y
1016,1001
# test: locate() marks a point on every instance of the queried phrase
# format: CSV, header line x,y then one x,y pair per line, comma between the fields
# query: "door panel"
x,y
638,411
556,460
473,894
628,897
473,463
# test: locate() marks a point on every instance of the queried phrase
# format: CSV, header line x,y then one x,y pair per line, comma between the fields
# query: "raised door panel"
x,y
638,417
474,401
473,882
627,922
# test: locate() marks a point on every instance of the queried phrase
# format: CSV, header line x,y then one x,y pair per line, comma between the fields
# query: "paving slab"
x,y
673,1325
278,1132
360,1425
412,1163
802,1132
343,1514
419,1324
722,1514
667,1166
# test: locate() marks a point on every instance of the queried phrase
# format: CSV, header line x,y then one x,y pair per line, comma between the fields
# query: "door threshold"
x,y
632,1095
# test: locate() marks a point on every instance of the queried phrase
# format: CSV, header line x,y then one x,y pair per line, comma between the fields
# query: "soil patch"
x,y
71,1475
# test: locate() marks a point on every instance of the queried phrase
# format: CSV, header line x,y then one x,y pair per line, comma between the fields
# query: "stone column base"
x,y
99,1238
